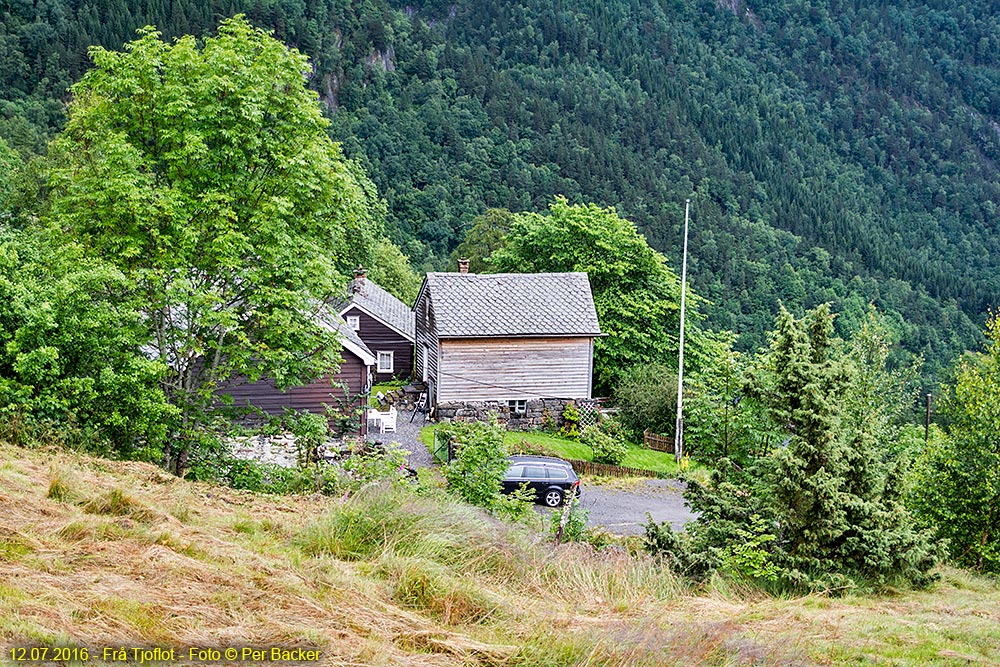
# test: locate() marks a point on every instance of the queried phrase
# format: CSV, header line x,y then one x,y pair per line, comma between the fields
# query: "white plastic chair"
x,y
374,417
388,421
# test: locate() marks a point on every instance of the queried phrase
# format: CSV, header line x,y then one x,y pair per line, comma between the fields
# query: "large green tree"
x,y
636,294
958,489
822,505
204,173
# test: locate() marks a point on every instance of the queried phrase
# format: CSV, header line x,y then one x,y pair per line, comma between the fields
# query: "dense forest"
x,y
835,151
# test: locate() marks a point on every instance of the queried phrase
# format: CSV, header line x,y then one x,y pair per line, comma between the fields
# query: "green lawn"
x,y
385,388
638,457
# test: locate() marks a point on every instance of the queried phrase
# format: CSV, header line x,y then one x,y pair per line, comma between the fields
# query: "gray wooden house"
x,y
384,323
506,341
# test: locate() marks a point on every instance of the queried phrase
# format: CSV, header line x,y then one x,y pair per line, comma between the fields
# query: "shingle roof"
x,y
380,304
512,304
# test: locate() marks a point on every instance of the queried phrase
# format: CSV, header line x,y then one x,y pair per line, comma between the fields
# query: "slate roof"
x,y
471,305
380,304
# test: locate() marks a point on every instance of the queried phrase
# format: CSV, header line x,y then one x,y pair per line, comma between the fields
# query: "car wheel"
x,y
553,497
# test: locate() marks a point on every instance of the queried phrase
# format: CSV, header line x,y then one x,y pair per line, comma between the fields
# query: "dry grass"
x,y
98,553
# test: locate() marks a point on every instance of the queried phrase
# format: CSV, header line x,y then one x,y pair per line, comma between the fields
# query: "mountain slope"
x,y
836,150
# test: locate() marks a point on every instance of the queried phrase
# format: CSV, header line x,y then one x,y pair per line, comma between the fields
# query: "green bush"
x,y
571,421
480,463
606,448
576,522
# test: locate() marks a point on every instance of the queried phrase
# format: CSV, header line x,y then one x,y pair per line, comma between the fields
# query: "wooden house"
x,y
506,338
345,389
384,323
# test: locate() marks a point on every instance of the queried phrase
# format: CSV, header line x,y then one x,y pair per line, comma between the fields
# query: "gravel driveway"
x,y
623,510
618,509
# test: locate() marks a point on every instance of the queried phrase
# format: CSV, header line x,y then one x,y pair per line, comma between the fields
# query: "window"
x,y
354,322
385,362
518,407
532,472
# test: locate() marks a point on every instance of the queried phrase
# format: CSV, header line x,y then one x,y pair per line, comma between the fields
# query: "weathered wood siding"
x,y
514,368
326,390
427,346
380,338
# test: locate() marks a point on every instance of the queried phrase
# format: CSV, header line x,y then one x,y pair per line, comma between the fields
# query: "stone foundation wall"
x,y
280,449
541,413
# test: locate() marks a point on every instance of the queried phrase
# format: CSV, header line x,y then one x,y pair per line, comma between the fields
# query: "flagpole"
x,y
679,430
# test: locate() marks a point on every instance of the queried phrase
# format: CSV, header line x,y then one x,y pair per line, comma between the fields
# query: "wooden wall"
x,y
380,338
266,397
426,349
514,368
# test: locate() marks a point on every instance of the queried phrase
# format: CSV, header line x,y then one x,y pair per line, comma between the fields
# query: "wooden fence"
x,y
660,443
608,470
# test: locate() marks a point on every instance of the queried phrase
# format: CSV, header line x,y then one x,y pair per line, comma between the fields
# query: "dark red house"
x,y
345,390
385,324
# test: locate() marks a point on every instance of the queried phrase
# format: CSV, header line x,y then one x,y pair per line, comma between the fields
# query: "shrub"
x,y
606,448
571,421
576,522
480,462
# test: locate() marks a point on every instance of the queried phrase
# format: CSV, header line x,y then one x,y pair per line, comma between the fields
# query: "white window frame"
x,y
354,322
378,357
518,406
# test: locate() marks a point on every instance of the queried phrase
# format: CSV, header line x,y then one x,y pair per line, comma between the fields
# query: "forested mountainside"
x,y
836,150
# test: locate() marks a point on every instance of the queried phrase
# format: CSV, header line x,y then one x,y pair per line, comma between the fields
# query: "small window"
x,y
354,322
518,407
385,362
558,473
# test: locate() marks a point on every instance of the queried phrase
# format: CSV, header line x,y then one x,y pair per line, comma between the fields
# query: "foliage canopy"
x,y
204,173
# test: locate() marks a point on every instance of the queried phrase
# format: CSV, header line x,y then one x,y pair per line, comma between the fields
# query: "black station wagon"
x,y
551,479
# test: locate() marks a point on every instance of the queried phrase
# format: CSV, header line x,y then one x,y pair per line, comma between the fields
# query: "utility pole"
x,y
679,429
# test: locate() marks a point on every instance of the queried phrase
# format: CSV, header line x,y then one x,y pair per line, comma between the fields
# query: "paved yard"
x,y
623,511
408,435
617,510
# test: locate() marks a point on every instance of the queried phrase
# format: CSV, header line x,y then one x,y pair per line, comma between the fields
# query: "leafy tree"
x,y
647,398
480,461
957,488
9,166
636,294
69,343
391,270
203,172
721,419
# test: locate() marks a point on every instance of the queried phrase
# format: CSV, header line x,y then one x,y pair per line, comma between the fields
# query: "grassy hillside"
x,y
97,553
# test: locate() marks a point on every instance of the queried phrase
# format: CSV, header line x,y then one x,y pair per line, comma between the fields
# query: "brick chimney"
x,y
359,279
463,265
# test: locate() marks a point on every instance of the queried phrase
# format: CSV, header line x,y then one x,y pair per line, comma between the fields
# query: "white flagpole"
x,y
679,431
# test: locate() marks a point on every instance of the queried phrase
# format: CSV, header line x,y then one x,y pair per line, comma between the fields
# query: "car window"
x,y
558,473
516,471
534,472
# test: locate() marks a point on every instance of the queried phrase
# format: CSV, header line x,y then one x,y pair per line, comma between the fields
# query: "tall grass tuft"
x,y
118,503
61,488
424,544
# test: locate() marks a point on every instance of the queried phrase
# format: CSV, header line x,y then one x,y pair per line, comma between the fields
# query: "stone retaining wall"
x,y
541,413
281,449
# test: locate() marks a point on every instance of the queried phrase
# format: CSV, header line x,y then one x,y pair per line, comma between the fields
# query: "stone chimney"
x,y
359,279
463,265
